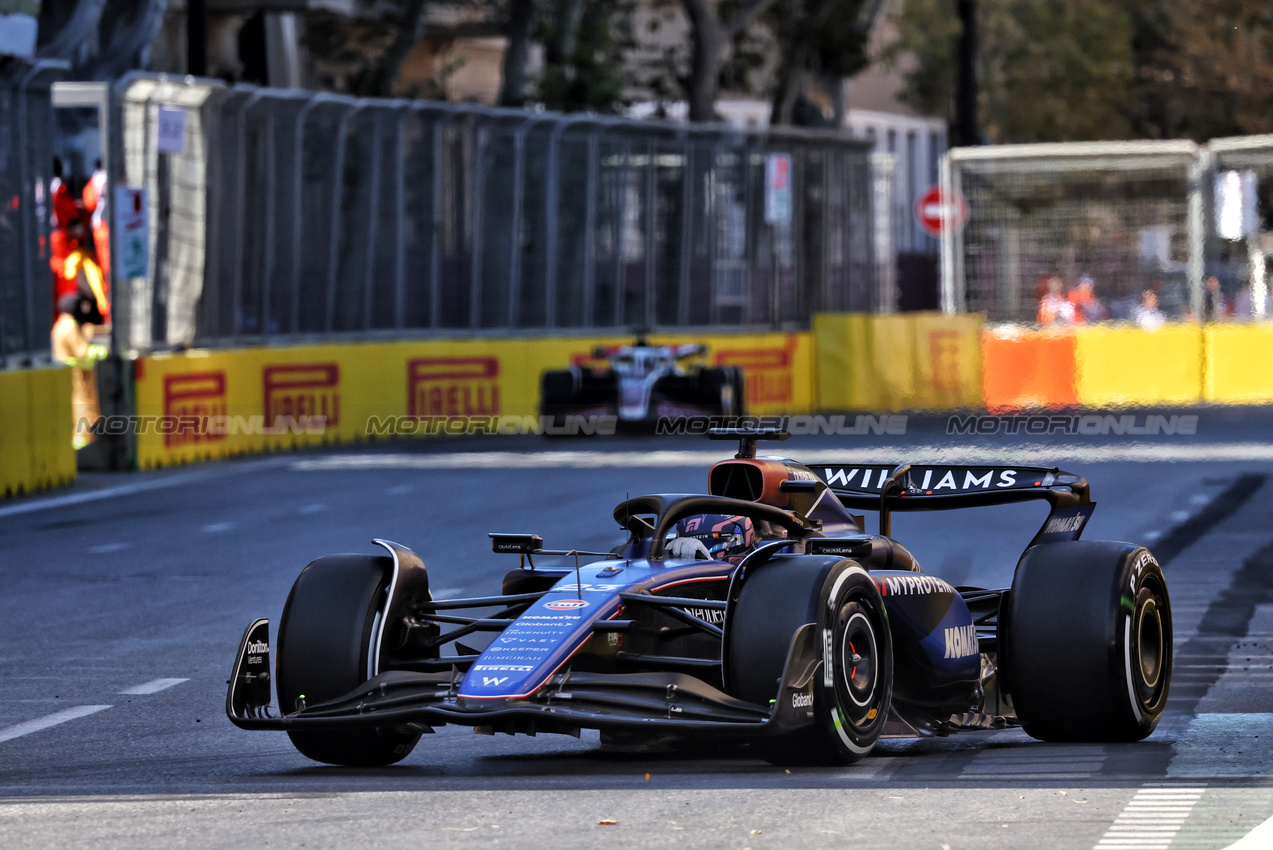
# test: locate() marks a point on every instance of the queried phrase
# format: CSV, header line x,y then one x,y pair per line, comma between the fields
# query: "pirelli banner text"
x,y
198,405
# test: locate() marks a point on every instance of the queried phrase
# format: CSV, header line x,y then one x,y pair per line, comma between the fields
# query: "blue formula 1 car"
x,y
761,611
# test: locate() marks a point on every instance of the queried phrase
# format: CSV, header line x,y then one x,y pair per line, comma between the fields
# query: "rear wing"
x,y
921,487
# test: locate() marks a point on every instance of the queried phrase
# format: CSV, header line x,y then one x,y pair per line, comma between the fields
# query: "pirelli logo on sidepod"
x,y
190,401
453,386
302,392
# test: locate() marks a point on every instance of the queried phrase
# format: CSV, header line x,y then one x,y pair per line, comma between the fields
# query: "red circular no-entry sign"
x,y
935,212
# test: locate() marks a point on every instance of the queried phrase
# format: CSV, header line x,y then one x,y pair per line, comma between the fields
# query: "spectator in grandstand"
x,y
95,209
72,338
1244,303
1087,307
1148,316
1214,305
1054,307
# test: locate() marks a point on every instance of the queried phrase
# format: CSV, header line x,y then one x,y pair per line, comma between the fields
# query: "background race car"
x,y
813,644
640,382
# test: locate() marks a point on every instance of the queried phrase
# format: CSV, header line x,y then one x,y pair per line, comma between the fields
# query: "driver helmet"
x,y
727,538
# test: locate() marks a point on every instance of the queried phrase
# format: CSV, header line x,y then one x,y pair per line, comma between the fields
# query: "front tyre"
x,y
325,650
1088,648
851,690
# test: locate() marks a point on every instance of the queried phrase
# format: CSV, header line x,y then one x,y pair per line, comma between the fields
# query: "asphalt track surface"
x,y
125,597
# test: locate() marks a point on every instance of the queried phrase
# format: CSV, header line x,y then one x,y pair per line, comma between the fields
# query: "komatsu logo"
x,y
912,585
961,642
1064,524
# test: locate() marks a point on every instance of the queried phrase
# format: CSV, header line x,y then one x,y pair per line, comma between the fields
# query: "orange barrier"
x,y
1028,369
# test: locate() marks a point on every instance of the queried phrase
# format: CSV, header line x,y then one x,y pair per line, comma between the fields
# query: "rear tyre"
x,y
850,699
325,648
1088,648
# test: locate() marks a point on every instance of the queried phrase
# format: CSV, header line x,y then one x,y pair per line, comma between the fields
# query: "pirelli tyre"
x,y
852,689
1086,652
325,649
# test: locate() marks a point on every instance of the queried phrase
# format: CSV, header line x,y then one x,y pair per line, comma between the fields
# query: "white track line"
x,y
1260,838
41,723
1151,819
930,453
97,495
154,686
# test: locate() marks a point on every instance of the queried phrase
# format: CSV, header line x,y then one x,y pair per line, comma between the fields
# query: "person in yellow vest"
x,y
73,345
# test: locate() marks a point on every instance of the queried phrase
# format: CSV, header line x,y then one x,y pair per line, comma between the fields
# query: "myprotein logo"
x,y
916,585
194,398
303,392
453,386
766,371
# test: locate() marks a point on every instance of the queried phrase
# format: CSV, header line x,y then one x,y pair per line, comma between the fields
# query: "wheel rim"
x,y
1149,637
859,654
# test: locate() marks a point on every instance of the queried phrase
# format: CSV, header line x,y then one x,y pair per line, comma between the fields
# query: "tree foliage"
x,y
585,42
1063,70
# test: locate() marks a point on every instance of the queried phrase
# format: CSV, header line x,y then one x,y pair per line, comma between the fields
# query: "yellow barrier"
x,y
1239,364
1119,366
902,362
35,430
268,399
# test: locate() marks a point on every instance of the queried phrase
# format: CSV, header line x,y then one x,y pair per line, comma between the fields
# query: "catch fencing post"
x,y
550,217
298,153
373,219
1199,168
333,247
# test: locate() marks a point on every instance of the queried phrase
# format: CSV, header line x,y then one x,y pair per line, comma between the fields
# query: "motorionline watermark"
x,y
213,425
1087,425
892,424
571,425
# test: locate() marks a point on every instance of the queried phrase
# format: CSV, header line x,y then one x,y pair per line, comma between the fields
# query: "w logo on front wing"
x,y
493,681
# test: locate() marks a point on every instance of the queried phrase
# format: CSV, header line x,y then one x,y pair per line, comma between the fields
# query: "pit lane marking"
x,y
1151,819
154,686
929,453
49,720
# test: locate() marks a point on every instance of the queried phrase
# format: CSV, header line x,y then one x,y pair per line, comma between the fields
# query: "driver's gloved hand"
x,y
690,548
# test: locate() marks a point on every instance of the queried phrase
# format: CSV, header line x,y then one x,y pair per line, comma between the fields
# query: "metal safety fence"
x,y
288,214
26,140
1166,230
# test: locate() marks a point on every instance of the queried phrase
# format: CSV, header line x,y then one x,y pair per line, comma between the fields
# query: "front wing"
x,y
664,702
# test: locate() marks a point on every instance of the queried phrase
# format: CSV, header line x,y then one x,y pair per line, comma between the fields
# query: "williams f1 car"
x,y
820,639
641,382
